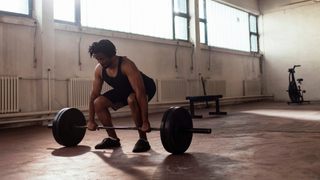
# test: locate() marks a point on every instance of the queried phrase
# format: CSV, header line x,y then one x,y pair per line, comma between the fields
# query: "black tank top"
x,y
121,82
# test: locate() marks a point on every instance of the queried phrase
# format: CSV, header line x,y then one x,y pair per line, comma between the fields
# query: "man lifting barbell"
x,y
130,87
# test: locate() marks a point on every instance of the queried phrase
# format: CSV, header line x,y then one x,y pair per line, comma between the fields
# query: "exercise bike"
x,y
295,93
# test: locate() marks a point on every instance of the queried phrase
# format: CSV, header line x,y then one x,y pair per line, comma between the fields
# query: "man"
x,y
130,87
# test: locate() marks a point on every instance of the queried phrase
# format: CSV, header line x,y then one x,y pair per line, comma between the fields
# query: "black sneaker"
x,y
108,143
141,146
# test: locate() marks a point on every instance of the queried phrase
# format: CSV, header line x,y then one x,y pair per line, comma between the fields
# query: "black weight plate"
x,y
63,127
163,131
55,129
173,138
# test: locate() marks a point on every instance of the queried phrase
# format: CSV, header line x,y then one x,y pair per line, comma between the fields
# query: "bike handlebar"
x,y
291,70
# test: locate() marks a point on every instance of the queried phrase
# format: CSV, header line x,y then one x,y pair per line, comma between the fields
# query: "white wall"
x,y
57,49
290,36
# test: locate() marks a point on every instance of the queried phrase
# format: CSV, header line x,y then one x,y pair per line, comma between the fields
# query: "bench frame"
x,y
215,98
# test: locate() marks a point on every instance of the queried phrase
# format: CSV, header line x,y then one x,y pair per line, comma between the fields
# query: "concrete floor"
x,y
260,140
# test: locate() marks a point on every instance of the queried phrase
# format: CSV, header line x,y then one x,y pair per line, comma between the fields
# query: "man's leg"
x,y
136,114
142,145
101,105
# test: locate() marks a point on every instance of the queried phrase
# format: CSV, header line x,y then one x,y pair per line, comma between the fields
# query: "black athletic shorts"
x,y
120,99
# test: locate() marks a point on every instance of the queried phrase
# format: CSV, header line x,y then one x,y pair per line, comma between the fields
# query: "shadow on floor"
x,y
71,151
183,166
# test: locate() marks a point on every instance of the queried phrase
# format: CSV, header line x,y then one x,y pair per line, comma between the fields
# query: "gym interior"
x,y
260,55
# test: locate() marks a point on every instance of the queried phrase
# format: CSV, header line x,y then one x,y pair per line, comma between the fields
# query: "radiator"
x,y
9,92
252,87
215,87
194,87
79,90
172,89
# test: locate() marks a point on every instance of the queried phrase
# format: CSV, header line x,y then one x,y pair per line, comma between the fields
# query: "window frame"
x,y
254,33
182,15
29,15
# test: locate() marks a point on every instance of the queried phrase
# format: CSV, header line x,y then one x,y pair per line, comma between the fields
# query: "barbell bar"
x,y
176,128
192,130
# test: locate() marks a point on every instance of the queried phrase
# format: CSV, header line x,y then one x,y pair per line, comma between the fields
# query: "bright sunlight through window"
x,y
15,6
64,10
144,17
227,27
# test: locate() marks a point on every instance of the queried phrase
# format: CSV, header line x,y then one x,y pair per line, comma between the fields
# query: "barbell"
x,y
176,129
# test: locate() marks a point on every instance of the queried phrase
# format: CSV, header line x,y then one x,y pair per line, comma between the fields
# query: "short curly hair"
x,y
104,46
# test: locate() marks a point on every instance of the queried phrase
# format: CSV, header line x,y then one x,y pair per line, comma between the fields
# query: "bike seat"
x,y
299,80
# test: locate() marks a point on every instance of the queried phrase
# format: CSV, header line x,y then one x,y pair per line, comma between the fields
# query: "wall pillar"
x,y
44,53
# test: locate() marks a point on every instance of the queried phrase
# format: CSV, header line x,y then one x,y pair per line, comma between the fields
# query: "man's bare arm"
x,y
136,81
96,90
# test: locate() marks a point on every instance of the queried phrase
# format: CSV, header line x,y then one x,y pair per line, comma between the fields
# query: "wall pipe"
x,y
49,90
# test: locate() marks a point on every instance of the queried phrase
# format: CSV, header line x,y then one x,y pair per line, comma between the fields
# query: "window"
x,y
254,34
64,10
168,19
67,11
16,7
230,28
203,21
181,20
144,17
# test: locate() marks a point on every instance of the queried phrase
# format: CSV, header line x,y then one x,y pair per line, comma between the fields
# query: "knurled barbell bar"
x,y
176,129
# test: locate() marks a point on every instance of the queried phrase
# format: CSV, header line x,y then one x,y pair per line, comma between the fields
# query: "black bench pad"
x,y
204,98
194,99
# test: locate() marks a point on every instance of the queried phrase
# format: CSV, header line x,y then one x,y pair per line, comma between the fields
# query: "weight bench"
x,y
194,99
